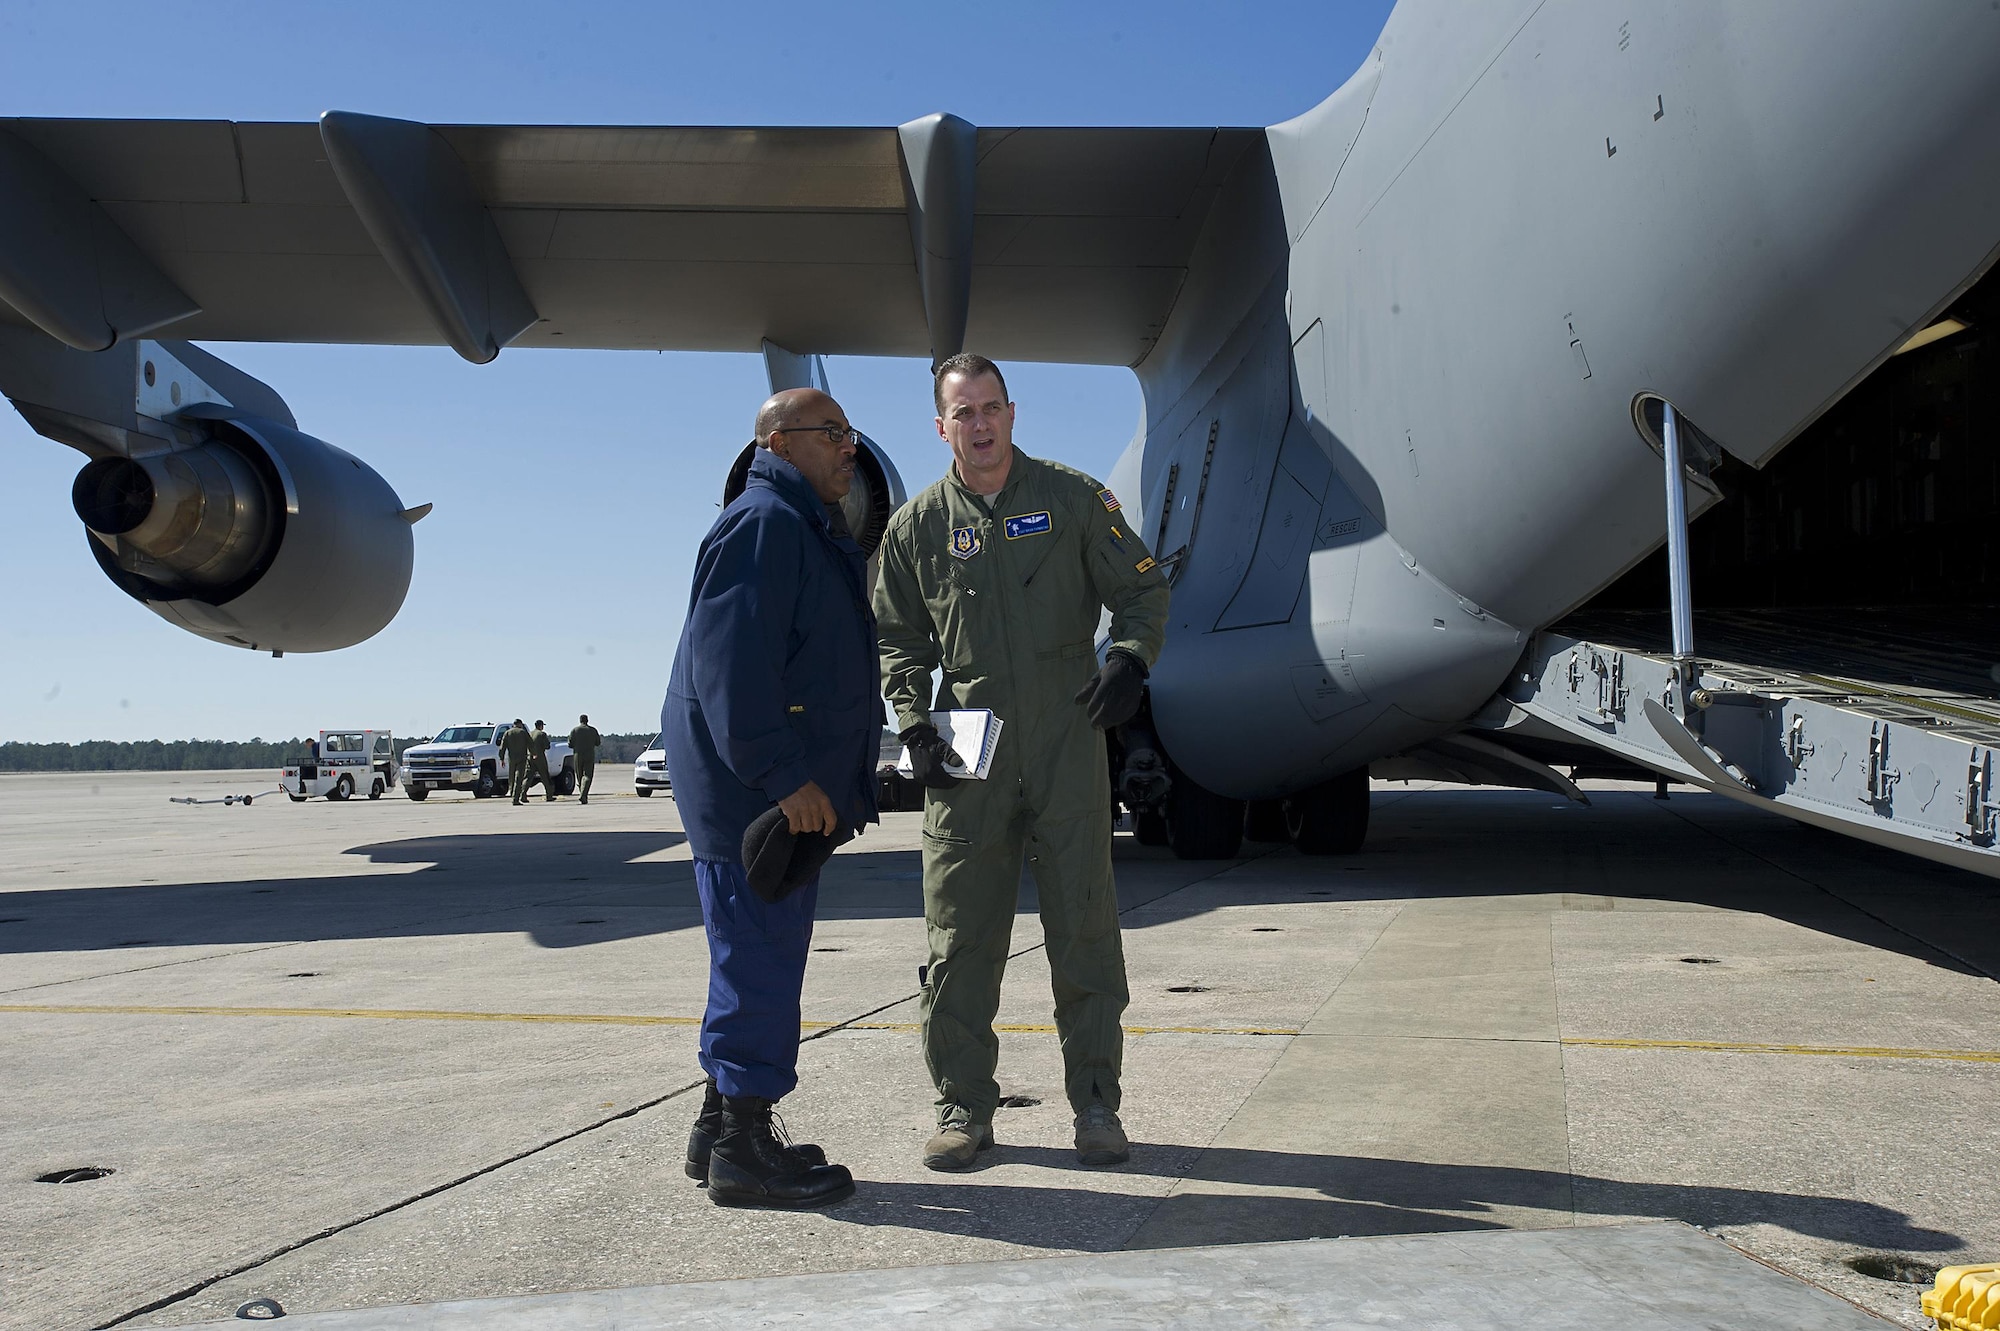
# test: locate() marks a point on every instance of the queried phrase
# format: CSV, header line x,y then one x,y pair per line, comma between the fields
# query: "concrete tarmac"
x,y
364,1054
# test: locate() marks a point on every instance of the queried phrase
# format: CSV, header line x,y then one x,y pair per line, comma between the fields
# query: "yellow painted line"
x,y
618,1019
1050,1030
1823,1051
546,1018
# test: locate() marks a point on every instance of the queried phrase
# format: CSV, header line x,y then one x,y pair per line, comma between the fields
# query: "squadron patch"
x,y
1028,524
1110,501
1143,566
964,543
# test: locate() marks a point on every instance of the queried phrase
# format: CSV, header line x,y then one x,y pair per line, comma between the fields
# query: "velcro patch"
x,y
1110,500
1028,524
1143,566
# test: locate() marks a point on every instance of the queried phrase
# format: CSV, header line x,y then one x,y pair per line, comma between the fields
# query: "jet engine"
x,y
877,491
258,536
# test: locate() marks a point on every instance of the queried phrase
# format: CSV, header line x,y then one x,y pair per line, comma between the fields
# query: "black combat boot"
x,y
751,1165
708,1126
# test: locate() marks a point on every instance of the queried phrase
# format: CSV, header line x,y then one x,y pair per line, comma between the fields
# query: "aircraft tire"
x,y
1265,820
1150,828
1332,817
418,793
1202,825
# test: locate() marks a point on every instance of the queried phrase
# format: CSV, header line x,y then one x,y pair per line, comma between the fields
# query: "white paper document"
x,y
972,734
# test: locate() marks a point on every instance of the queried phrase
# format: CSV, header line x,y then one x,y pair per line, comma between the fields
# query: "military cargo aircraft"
x,y
1430,373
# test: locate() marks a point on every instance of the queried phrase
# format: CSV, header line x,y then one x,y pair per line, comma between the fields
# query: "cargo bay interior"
x,y
1869,548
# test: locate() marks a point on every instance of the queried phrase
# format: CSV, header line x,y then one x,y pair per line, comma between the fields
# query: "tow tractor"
x,y
351,762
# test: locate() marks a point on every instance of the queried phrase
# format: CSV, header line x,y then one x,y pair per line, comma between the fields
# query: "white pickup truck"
x,y
469,757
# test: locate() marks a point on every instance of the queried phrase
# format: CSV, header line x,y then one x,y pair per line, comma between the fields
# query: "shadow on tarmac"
x,y
538,883
1358,1196
1422,848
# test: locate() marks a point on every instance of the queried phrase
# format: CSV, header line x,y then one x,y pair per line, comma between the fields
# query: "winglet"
x,y
415,515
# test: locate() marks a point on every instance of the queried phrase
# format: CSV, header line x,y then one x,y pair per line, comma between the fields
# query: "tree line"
x,y
214,755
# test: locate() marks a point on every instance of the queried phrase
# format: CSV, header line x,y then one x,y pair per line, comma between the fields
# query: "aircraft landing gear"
x,y
1202,825
1265,820
1332,817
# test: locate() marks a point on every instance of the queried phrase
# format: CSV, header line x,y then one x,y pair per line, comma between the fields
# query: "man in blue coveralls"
x,y
773,701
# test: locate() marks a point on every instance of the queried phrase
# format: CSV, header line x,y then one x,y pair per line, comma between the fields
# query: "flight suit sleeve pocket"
x,y
947,595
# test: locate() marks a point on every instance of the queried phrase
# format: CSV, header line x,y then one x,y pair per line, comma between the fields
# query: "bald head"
x,y
794,406
808,429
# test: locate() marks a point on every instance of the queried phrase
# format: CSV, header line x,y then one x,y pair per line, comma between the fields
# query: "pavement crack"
x,y
158,965
295,1245
1562,1069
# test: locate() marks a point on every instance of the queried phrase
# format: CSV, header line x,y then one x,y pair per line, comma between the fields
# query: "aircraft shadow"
x,y
1435,845
543,884
1493,844
1356,1196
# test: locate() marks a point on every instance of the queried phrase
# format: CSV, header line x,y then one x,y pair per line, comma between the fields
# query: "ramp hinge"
x,y
1982,801
1882,778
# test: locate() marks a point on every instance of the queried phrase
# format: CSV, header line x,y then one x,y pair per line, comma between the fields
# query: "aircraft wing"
x,y
842,241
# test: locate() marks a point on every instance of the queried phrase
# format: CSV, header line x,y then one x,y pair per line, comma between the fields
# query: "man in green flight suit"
x,y
538,763
514,745
997,575
583,742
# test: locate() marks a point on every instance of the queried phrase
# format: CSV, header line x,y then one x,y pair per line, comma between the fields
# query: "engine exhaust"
x,y
197,520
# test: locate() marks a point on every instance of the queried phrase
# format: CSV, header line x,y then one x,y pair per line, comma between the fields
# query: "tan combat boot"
x,y
956,1144
1100,1138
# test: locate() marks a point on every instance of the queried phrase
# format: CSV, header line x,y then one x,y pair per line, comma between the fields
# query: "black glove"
x,y
1112,695
928,755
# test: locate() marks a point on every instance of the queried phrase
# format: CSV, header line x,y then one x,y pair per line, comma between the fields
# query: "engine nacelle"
x,y
876,493
258,537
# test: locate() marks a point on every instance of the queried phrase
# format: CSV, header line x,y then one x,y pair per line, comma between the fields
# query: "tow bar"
x,y
244,800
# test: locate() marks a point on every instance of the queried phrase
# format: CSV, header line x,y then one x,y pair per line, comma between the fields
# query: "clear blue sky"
x,y
571,487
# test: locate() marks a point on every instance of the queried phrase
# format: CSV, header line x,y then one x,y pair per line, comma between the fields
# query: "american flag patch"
x,y
1110,500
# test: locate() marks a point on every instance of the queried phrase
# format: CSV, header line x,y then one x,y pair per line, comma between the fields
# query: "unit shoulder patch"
x,y
964,542
1028,524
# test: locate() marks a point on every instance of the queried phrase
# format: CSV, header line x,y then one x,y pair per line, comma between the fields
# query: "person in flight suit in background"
x,y
997,575
538,763
514,744
583,742
772,701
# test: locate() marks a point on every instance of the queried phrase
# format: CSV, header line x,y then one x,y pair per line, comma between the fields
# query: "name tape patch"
x,y
1110,500
1028,524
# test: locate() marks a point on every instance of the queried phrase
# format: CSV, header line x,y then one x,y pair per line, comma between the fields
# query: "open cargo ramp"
x,y
1882,724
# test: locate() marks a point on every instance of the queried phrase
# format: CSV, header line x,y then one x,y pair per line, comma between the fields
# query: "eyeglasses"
x,y
835,435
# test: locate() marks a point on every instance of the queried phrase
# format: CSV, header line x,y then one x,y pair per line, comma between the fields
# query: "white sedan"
x,y
649,773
